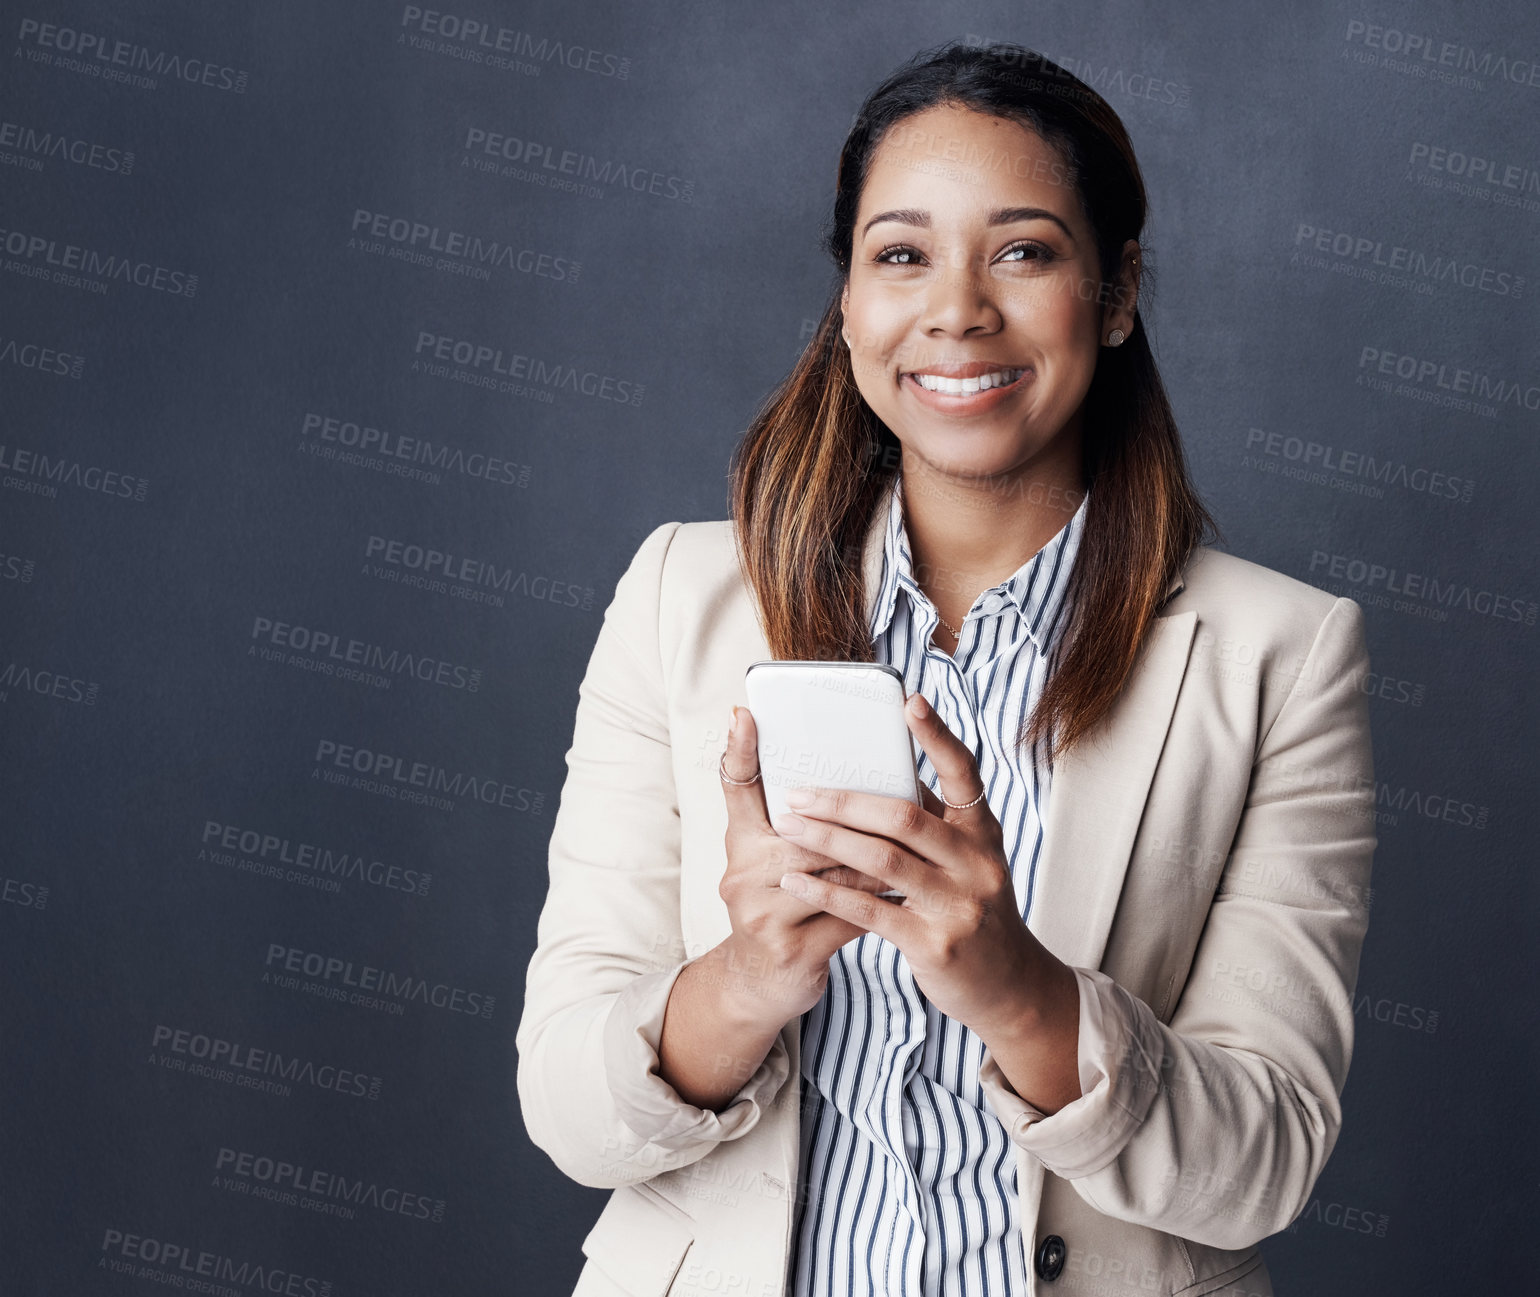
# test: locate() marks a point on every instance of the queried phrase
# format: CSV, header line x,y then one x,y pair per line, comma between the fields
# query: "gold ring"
x,y
727,778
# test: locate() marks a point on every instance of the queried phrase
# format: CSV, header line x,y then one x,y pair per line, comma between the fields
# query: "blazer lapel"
x,y
1096,799
1097,793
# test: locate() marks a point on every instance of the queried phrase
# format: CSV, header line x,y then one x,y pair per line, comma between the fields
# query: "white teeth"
x,y
960,386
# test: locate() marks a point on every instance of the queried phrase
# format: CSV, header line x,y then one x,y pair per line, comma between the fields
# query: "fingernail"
x,y
799,797
790,825
793,883
918,707
732,724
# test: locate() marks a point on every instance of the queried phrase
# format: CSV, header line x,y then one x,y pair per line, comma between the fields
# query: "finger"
x,y
786,857
881,857
954,763
887,918
740,760
845,876
876,817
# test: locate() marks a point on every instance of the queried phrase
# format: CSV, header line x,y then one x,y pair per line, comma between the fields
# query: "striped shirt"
x,y
908,1179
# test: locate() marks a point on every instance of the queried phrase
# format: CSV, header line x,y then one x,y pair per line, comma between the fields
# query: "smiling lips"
x,y
965,387
959,386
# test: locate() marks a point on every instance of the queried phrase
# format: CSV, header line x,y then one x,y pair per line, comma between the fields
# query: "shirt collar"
x,y
1037,588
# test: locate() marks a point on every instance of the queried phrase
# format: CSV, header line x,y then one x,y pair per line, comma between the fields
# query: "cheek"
x,y
1069,340
879,320
1055,310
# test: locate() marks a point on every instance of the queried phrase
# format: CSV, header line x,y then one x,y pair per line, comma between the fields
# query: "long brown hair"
x,y
815,460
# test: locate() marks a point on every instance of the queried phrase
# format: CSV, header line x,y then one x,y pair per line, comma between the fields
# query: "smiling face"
x,y
973,307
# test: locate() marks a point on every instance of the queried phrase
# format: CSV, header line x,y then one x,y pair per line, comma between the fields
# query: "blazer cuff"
x,y
648,1104
1119,1057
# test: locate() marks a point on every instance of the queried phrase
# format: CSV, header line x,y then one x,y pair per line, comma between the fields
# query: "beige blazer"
x,y
1204,870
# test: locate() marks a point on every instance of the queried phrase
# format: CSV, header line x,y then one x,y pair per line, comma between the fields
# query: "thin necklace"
x,y
956,634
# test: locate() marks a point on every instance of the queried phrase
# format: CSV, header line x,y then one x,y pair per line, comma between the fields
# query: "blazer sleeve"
x,y
609,934
1215,1127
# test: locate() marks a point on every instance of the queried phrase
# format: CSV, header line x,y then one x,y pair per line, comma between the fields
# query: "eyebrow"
x,y
1000,216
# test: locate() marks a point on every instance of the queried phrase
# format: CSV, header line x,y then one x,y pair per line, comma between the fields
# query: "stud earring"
x,y
1115,337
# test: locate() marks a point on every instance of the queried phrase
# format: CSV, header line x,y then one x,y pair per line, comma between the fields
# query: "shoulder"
x,y
1256,611
684,550
1220,585
1263,640
686,558
685,592
681,571
703,545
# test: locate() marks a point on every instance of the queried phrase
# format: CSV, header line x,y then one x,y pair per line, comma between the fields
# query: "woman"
x,y
1102,1042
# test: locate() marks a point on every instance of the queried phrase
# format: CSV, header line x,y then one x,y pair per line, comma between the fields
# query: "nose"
x,y
959,301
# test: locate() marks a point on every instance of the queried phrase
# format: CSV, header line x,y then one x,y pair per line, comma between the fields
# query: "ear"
x,y
1134,255
1119,312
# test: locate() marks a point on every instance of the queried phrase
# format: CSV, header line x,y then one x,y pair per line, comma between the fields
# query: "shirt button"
x,y
1050,1258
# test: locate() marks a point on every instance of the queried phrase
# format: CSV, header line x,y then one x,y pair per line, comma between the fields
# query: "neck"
x,y
968,534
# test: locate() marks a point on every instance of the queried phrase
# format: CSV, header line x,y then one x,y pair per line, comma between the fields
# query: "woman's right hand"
x,y
779,949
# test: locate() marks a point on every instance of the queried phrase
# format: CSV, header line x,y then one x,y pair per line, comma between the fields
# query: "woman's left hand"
x,y
958,925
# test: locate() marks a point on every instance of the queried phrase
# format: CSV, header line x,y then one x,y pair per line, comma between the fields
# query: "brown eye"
x,y
1034,252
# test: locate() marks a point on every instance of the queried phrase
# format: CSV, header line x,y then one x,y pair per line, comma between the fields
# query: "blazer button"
x,y
1050,1258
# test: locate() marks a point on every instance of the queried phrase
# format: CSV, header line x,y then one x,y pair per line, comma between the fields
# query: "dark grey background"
x,y
134,711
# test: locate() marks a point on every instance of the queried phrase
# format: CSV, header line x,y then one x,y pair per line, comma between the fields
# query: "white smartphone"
x,y
832,725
